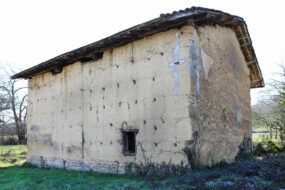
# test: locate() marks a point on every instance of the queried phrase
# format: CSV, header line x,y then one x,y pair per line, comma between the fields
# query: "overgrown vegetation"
x,y
9,140
162,170
252,173
267,147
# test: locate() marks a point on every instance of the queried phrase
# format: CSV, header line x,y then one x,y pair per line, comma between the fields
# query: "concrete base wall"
x,y
100,166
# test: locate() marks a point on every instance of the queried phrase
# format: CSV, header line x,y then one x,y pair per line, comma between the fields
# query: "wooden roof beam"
x,y
255,82
249,63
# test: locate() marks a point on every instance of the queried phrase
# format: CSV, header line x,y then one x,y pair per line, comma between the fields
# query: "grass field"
x,y
267,173
9,136
12,155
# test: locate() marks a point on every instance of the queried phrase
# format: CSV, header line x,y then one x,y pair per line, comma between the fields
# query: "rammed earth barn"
x,y
179,82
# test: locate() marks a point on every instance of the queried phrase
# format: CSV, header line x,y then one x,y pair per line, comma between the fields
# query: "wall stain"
x,y
174,65
195,67
34,128
207,62
234,62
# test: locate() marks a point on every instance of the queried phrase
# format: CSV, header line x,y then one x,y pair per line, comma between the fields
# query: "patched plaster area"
x,y
174,64
207,62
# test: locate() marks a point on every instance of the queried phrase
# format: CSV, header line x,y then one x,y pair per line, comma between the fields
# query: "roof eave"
x,y
195,16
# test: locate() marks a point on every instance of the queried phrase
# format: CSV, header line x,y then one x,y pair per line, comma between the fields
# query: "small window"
x,y
129,143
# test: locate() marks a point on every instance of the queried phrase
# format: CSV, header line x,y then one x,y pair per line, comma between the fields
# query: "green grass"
x,y
9,136
12,155
266,173
35,178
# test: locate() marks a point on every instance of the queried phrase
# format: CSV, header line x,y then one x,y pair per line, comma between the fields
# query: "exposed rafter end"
x,y
57,69
249,63
243,38
254,82
246,44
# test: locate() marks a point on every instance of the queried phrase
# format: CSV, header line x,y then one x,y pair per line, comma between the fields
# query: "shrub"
x,y
267,147
28,165
153,169
272,147
258,150
9,141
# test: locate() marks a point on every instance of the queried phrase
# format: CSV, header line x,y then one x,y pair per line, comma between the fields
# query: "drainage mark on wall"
x,y
234,62
195,67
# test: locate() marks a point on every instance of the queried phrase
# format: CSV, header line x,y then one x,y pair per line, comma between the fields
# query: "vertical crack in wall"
x,y
195,67
234,62
174,65
65,108
83,141
191,152
82,111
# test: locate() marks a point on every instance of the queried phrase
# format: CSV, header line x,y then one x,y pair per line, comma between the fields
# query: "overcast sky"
x,y
33,31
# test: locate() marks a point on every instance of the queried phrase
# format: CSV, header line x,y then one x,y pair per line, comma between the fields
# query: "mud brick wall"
x,y
220,96
76,117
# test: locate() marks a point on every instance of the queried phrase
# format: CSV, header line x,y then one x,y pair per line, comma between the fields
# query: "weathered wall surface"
x,y
75,117
220,103
79,113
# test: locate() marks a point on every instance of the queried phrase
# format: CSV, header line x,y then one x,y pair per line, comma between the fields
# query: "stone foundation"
x,y
100,166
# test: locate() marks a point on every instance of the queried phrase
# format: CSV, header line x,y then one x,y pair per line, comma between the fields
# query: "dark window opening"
x,y
129,143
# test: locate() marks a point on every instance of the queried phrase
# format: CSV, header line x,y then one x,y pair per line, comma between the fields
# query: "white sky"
x,y
33,31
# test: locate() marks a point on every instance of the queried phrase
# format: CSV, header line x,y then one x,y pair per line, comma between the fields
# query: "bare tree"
x,y
273,113
14,92
4,106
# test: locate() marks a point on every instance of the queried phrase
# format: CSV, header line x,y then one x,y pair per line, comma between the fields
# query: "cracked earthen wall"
x,y
75,117
224,118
